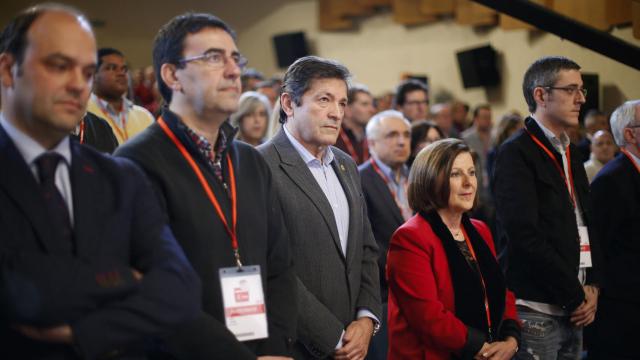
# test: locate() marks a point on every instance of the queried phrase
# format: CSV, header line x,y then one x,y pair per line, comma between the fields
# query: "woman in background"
x,y
252,117
423,133
447,294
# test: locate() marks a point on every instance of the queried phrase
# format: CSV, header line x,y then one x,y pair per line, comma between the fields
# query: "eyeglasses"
x,y
217,59
571,90
417,102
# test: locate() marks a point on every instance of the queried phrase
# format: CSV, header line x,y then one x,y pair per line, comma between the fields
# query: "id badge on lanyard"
x,y
244,307
585,247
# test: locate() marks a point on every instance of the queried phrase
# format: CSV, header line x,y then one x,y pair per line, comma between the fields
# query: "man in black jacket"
x,y
616,208
218,193
543,213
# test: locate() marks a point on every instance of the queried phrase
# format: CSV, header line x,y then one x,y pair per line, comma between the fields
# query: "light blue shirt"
x,y
31,150
330,184
328,181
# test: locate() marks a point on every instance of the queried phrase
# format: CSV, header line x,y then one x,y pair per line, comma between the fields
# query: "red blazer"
x,y
422,319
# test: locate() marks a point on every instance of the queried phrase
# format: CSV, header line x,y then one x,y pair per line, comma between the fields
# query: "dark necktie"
x,y
55,205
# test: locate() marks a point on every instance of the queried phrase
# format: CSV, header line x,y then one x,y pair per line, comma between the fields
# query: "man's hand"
x,y
137,275
499,350
356,340
59,334
586,312
484,349
274,358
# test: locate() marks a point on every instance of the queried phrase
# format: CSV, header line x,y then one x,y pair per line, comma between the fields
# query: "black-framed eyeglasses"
x,y
571,90
217,59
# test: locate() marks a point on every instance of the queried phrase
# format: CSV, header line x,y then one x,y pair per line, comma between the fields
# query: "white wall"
x,y
379,51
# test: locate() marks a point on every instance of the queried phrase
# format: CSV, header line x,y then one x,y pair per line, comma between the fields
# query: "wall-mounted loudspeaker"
x,y
290,47
478,67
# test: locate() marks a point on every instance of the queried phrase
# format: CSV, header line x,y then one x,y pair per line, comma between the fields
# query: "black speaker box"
x,y
478,67
591,82
290,47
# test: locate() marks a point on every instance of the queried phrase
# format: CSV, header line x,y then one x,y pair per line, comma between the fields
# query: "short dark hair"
x,y
544,72
303,71
419,131
406,87
477,109
429,176
354,90
106,51
13,39
169,43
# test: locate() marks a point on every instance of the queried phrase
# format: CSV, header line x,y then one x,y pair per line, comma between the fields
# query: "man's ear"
x,y
286,102
538,96
168,75
6,65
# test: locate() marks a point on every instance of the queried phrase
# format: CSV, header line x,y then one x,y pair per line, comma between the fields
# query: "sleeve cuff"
x,y
475,340
511,328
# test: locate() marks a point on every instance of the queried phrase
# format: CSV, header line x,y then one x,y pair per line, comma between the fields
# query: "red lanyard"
x,y
384,178
207,189
568,183
626,153
121,131
484,286
352,151
81,133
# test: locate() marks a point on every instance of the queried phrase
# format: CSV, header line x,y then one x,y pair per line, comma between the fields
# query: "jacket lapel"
x,y
295,168
340,168
383,189
87,206
19,183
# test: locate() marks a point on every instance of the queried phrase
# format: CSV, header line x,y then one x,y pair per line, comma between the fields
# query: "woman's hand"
x,y
499,350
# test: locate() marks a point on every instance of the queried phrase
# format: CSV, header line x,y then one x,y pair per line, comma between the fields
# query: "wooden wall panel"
x,y
600,14
328,20
635,14
437,7
510,23
471,13
407,12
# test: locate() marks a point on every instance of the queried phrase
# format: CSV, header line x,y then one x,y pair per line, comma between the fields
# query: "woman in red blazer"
x,y
447,294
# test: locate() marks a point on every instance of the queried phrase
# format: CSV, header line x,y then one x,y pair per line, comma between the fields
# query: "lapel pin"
x,y
342,167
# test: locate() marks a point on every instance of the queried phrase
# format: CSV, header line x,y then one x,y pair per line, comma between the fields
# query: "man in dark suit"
x,y
88,266
196,166
325,214
384,184
543,215
616,209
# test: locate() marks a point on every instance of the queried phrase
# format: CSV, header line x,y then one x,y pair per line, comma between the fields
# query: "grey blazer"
x,y
331,287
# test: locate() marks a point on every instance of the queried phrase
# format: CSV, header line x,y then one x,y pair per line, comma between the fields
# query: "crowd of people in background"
x,y
197,209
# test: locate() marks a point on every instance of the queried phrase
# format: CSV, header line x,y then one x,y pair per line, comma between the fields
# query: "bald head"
x,y
46,71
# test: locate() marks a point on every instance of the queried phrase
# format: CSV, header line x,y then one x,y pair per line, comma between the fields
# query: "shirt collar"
x,y
31,149
307,157
388,172
634,157
126,104
560,143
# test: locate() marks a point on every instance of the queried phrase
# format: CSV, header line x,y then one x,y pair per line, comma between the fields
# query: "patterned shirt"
x,y
211,154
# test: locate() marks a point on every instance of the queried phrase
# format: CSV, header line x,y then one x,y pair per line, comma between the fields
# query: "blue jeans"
x,y
548,337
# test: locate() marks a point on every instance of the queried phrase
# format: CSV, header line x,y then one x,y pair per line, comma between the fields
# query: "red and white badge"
x,y
244,308
585,247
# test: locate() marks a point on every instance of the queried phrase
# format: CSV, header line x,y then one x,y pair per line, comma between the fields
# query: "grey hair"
x,y
373,126
622,117
248,103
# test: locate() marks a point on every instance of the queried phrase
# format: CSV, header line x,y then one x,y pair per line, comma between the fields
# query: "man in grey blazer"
x,y
333,248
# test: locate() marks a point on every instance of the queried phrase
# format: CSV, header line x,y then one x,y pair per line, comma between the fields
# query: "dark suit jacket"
x,y
536,219
384,215
262,239
118,226
98,134
616,209
331,287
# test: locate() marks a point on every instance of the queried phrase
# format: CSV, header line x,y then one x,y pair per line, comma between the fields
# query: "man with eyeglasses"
x,y
616,207
542,202
219,196
412,99
109,100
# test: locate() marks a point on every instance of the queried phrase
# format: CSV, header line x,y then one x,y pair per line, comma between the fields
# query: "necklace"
x,y
455,233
